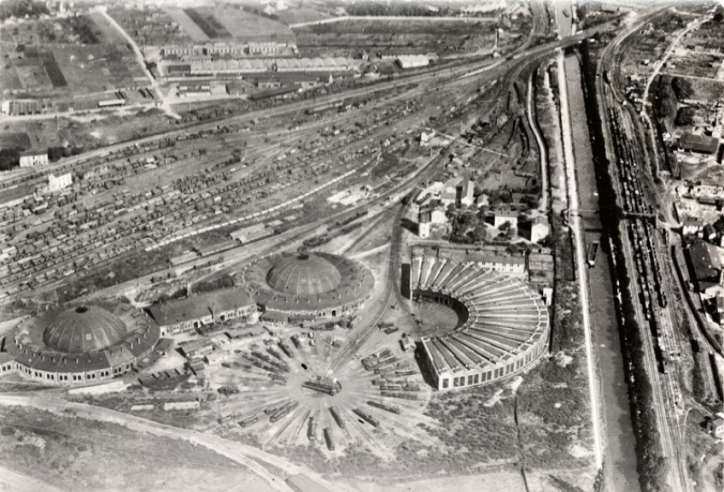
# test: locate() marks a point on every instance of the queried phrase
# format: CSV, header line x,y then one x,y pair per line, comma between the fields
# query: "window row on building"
x,y
52,377
484,375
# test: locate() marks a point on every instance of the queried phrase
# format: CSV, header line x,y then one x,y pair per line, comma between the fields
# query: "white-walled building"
x,y
539,229
33,158
466,193
423,224
57,183
506,215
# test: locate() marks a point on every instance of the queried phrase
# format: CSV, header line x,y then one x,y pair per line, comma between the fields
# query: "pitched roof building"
x,y
204,309
698,143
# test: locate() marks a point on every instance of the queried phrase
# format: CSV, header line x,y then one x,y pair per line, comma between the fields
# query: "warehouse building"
x,y
304,287
81,345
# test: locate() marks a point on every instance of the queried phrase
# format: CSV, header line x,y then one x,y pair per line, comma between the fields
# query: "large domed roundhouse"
x,y
80,345
301,287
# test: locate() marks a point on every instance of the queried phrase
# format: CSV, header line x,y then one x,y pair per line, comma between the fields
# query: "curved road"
x,y
241,453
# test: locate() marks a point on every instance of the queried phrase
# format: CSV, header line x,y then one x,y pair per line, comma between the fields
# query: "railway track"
x,y
664,386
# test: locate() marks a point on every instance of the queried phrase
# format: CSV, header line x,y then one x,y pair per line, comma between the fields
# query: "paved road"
x,y
141,61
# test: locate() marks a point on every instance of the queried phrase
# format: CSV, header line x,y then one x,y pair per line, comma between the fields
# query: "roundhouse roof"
x,y
82,329
290,283
303,275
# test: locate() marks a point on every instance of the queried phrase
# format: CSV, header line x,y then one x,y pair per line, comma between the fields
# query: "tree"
x,y
682,88
685,116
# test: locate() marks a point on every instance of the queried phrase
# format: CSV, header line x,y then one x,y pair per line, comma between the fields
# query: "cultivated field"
x,y
77,55
394,37
244,26
150,26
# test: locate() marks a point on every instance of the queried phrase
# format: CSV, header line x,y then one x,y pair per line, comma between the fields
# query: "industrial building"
x,y
200,310
303,287
256,65
81,345
506,327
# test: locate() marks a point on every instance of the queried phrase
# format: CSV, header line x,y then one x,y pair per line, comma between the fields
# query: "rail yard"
x,y
363,247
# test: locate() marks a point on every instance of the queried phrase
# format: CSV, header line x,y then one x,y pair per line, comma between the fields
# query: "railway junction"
x,y
398,270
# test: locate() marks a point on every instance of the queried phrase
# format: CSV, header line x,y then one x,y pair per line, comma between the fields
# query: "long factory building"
x,y
507,326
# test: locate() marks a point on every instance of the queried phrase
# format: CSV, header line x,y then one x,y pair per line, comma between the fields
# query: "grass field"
x,y
77,55
93,68
302,14
188,26
207,23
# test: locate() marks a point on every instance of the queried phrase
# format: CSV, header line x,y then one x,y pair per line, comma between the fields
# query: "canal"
x,y
620,446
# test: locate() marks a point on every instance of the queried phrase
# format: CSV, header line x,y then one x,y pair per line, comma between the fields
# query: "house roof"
x,y
705,259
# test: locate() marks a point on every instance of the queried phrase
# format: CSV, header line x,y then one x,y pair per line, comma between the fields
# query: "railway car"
x,y
336,416
367,417
249,420
283,411
330,389
285,348
295,341
592,252
328,438
274,353
385,406
312,429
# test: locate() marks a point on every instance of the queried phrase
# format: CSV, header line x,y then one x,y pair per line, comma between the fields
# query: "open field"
x,y
75,56
245,26
301,14
67,452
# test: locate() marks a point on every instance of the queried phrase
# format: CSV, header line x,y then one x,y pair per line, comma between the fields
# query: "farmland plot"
x,y
93,68
249,27
196,34
402,37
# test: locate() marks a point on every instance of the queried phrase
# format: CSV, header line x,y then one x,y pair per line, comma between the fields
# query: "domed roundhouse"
x,y
303,287
80,345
